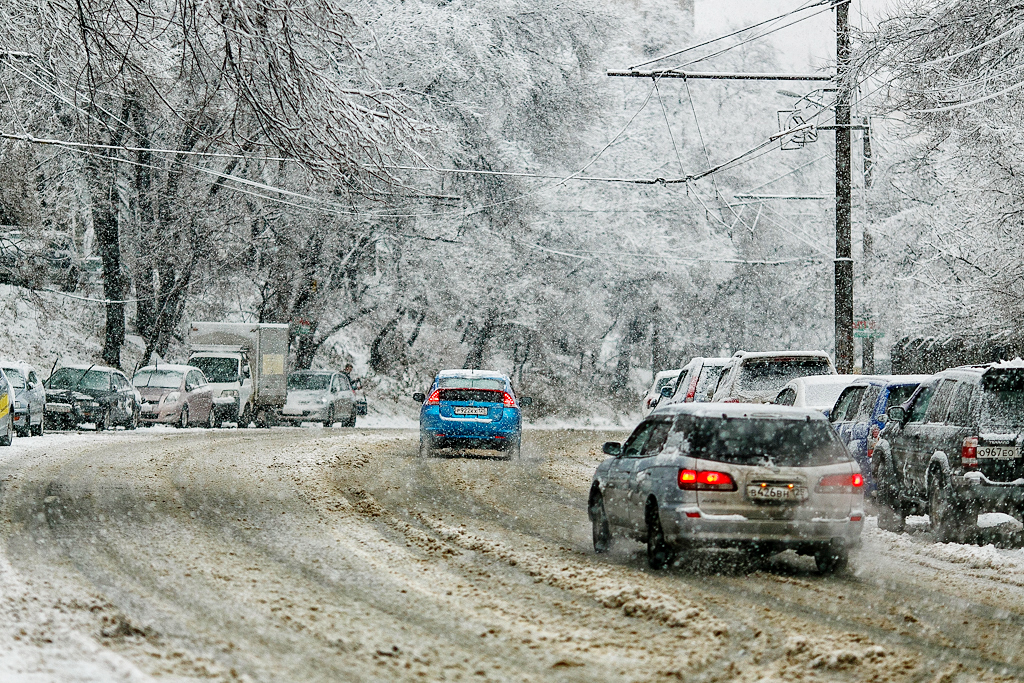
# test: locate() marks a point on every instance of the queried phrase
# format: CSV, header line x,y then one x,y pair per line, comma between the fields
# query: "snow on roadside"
x,y
1008,562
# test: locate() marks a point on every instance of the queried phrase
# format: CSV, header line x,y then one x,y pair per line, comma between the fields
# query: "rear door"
x,y
905,441
927,437
637,485
616,484
844,410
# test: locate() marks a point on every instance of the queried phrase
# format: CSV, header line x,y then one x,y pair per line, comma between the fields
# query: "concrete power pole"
x,y
844,246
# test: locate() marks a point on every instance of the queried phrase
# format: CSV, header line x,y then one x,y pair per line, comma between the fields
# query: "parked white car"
x,y
817,393
29,397
666,378
321,396
758,376
697,381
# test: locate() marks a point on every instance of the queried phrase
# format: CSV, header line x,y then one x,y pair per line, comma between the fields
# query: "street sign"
x,y
867,329
301,328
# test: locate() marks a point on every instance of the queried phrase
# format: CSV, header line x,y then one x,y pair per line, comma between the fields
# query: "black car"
x,y
90,394
953,450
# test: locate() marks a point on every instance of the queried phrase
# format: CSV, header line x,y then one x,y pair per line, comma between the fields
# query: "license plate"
x,y
58,407
998,452
469,410
779,493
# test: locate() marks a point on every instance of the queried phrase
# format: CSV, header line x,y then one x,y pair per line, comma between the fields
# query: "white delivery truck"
x,y
246,364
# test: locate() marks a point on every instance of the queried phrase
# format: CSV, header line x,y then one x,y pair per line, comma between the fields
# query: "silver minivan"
x,y
763,478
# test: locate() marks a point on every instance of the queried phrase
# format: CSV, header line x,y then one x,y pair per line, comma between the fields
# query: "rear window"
x,y
478,395
749,441
1002,403
467,383
707,382
767,374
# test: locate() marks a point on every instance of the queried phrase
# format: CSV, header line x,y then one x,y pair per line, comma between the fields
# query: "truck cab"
x,y
227,370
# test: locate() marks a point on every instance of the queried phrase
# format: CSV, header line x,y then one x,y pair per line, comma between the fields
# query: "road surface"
x,y
339,555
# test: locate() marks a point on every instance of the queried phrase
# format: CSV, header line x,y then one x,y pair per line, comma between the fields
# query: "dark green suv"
x,y
953,450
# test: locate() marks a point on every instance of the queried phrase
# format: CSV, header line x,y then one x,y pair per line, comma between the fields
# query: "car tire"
x,y
949,520
245,418
351,422
659,554
106,424
599,521
38,429
211,421
24,432
426,446
831,558
133,421
183,418
329,422
8,436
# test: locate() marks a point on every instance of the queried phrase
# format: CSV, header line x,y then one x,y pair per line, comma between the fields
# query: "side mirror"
x,y
896,414
612,448
419,397
666,391
526,400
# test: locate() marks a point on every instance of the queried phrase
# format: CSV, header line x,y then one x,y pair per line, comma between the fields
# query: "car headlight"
x,y
172,397
230,393
89,404
323,399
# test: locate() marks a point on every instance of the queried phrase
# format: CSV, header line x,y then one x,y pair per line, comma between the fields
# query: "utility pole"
x,y
867,362
844,199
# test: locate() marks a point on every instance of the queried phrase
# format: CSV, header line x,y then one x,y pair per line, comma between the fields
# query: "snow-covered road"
x,y
310,554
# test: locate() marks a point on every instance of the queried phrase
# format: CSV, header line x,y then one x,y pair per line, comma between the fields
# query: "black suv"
x,y
953,450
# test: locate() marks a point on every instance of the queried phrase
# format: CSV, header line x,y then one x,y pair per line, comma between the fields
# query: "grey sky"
x,y
808,44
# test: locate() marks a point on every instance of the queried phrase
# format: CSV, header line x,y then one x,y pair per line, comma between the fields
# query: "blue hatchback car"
x,y
859,414
471,409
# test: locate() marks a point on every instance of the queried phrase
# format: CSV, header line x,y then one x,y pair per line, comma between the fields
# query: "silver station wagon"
x,y
763,478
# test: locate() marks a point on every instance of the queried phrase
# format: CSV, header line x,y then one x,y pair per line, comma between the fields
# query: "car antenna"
x,y
55,361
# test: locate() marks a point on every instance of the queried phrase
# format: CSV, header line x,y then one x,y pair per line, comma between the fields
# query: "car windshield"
x,y
160,379
771,374
15,377
749,441
468,383
308,382
1002,403
216,369
76,378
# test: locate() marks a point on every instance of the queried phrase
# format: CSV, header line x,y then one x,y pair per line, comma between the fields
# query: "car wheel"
x,y
106,423
133,421
245,418
659,553
183,418
27,431
8,436
210,420
599,521
426,446
329,422
949,518
38,429
890,513
831,558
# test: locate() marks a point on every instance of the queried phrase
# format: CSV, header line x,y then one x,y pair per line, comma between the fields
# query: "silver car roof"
x,y
740,410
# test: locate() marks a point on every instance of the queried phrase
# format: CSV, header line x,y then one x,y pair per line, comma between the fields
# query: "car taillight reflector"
x,y
507,399
691,390
969,452
705,480
855,518
840,483
434,398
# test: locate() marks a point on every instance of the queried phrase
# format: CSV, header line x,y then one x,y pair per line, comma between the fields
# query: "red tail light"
x,y
507,399
434,398
693,480
969,452
691,390
840,483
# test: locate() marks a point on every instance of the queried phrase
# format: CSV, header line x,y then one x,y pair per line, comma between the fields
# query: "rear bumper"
x,y
682,528
460,431
990,496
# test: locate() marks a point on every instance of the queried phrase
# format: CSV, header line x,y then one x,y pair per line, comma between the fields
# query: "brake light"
x,y
840,483
507,399
705,480
691,390
434,398
969,452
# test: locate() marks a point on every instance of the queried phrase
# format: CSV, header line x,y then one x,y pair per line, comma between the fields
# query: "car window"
x,y
121,383
657,438
899,395
195,378
3,383
786,397
752,441
32,377
706,383
302,381
217,369
638,439
15,378
937,409
1002,400
466,383
343,384
765,374
920,406
846,404
867,404
960,406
